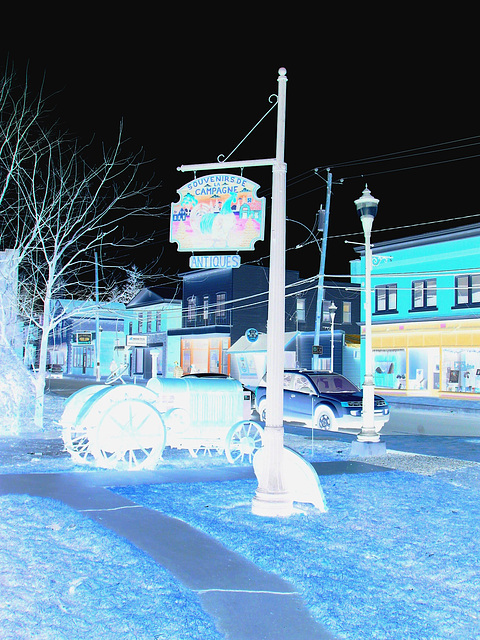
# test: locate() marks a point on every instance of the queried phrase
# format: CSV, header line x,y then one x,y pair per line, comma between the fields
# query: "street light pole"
x,y
368,440
331,309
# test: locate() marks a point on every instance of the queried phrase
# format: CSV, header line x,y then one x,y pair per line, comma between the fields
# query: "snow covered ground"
x,y
396,556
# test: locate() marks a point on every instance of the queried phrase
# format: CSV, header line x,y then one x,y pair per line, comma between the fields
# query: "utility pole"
x,y
321,274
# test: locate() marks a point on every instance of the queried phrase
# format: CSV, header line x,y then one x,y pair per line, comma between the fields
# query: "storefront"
x,y
431,358
205,355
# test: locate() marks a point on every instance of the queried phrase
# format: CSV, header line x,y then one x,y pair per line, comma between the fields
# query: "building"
x,y
83,330
425,313
223,306
154,311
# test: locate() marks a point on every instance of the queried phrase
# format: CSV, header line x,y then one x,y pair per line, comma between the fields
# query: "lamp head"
x,y
367,205
332,309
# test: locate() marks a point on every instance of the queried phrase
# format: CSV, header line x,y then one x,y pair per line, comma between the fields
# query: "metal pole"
x,y
368,433
321,273
271,498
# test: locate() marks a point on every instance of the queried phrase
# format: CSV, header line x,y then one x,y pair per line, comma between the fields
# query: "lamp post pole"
x,y
368,440
331,309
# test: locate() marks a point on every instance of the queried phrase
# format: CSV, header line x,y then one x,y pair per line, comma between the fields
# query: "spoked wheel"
x,y
74,430
130,435
242,441
324,418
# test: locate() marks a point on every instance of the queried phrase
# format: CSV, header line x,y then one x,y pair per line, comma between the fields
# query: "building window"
x,y
140,323
325,311
300,310
220,311
149,322
347,312
158,320
386,298
205,309
191,309
467,291
424,295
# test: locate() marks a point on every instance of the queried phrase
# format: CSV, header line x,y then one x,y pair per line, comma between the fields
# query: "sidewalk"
x,y
247,602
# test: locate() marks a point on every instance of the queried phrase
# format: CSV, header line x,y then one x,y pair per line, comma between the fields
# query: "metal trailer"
x,y
128,426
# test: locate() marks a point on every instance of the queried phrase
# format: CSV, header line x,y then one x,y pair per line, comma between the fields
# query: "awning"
x,y
242,345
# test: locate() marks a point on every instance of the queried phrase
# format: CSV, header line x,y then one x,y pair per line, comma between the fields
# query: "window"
x,y
205,308
149,322
220,312
386,298
300,309
424,294
467,290
325,311
191,309
158,320
140,322
347,312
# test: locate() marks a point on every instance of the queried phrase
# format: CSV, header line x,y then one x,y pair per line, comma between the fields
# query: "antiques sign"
x,y
218,212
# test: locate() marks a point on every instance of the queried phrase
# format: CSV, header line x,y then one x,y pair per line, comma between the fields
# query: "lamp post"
x,y
368,440
331,310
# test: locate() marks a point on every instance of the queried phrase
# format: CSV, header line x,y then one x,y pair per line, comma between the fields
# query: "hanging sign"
x,y
218,212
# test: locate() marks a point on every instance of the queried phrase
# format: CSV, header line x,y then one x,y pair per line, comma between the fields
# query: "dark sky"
x,y
359,87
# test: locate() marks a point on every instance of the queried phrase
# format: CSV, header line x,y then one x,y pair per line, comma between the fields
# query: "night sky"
x,y
360,93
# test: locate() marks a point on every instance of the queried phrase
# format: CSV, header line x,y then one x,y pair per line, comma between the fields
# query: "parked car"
x,y
321,399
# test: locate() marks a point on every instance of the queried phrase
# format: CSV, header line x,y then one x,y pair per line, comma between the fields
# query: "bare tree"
x,y
58,209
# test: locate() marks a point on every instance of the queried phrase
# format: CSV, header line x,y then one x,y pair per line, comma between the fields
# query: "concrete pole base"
x,y
272,505
366,449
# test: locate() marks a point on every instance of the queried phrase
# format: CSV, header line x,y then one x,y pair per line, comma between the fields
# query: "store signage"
x,y
218,212
137,341
214,262
317,349
84,338
251,335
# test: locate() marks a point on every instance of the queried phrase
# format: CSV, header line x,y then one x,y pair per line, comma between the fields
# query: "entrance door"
x,y
424,369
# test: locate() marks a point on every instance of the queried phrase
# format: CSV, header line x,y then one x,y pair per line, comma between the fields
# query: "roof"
x,y
434,237
149,296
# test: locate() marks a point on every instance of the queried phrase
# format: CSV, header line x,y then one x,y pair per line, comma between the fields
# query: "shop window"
x,y
347,312
424,295
386,298
461,370
467,291
390,368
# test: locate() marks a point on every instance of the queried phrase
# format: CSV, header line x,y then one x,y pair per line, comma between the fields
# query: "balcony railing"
x,y
201,319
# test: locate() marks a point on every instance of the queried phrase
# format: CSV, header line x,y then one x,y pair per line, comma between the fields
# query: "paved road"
x,y
432,422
